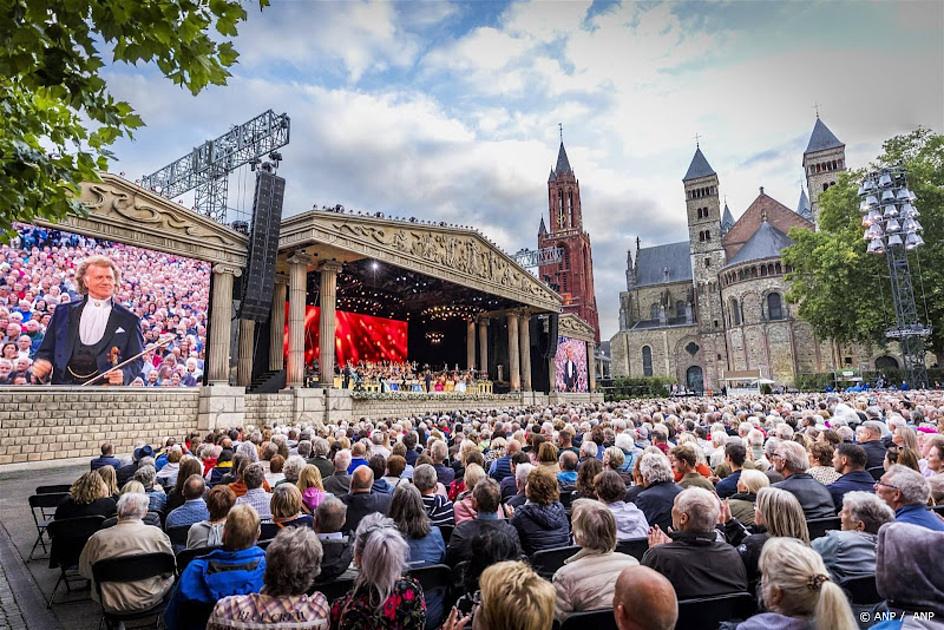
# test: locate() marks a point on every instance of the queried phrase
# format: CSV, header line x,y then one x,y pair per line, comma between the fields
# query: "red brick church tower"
x,y
573,276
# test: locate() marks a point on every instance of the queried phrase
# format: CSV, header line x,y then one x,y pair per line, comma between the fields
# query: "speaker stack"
x,y
259,279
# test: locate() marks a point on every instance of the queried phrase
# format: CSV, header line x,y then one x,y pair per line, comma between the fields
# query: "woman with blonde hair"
x,y
513,597
311,486
463,506
742,502
777,513
88,496
108,475
798,592
287,508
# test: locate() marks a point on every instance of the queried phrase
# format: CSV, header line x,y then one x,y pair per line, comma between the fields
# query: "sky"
x,y
450,111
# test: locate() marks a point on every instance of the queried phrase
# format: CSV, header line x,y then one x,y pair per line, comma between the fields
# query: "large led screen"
x,y
356,338
73,308
570,364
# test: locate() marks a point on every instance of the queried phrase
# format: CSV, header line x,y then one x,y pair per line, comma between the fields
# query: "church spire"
x,y
563,164
699,166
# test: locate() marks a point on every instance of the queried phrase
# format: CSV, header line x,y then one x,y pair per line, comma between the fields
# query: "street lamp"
x,y
891,226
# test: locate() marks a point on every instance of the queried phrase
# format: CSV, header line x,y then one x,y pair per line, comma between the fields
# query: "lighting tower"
x,y
208,166
892,228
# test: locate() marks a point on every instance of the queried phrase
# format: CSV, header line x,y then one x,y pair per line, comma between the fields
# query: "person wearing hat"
x,y
125,473
86,336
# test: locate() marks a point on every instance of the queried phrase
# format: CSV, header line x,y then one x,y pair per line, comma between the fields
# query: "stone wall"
x,y
55,423
270,409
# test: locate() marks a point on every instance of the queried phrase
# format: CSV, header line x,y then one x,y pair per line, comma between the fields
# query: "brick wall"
x,y
55,423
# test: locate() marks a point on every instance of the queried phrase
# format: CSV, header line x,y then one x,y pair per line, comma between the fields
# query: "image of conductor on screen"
x,y
88,336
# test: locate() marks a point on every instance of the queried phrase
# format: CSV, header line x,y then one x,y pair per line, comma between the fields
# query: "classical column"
x,y
591,368
328,295
483,348
297,289
247,330
524,349
470,344
277,324
514,363
221,317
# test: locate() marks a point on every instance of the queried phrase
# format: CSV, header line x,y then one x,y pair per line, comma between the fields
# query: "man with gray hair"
x,y
521,480
130,537
338,549
850,552
791,461
660,489
692,558
319,459
438,507
906,491
339,482
256,496
869,437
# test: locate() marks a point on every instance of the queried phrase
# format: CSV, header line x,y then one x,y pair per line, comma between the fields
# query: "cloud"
x,y
449,112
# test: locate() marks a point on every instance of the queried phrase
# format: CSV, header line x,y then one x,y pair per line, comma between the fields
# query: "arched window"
x,y
646,361
774,306
735,312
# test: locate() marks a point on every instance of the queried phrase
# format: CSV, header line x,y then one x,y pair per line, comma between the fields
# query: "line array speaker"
x,y
259,279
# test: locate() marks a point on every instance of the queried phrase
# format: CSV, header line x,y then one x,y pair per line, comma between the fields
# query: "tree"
x,y
57,118
842,291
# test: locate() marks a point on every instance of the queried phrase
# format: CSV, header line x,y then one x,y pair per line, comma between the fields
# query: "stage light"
x,y
375,266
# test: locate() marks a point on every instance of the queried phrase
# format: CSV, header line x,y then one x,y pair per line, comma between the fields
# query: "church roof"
x,y
763,208
803,206
563,164
542,229
663,263
727,219
822,138
699,167
766,242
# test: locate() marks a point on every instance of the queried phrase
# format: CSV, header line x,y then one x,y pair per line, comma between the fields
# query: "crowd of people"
x,y
726,495
168,293
393,376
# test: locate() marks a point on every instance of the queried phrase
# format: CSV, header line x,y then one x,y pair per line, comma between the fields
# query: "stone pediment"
x,y
120,210
453,254
572,326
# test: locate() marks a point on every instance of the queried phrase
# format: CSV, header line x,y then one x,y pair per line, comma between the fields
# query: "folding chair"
x,y
707,613
132,569
184,557
596,619
68,536
436,580
178,537
819,526
862,590
635,547
446,531
333,590
55,489
877,472
548,561
269,531
46,503
567,499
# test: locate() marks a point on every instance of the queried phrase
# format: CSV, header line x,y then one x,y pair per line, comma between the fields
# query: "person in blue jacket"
x,y
237,568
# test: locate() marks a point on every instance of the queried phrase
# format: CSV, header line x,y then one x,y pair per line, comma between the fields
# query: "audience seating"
x,y
269,530
446,531
178,537
635,547
548,561
184,557
596,619
333,590
46,503
132,569
819,526
862,590
877,472
567,499
68,536
61,488
707,613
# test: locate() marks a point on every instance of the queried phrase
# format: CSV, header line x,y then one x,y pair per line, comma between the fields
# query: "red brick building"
x,y
573,276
